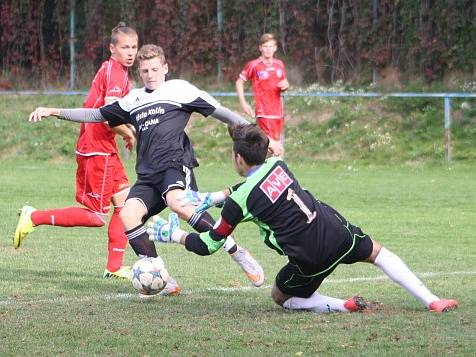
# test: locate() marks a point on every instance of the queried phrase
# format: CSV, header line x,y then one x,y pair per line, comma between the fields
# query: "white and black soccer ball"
x,y
149,275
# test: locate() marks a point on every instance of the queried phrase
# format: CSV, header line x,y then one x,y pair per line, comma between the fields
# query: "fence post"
x,y
448,148
220,40
72,39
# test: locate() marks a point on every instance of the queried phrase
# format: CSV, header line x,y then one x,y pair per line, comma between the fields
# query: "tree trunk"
x,y
41,42
282,25
330,38
374,28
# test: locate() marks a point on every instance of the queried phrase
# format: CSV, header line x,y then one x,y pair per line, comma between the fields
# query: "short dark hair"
x,y
121,28
250,142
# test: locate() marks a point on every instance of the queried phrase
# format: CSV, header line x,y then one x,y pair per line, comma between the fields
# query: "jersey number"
x,y
293,196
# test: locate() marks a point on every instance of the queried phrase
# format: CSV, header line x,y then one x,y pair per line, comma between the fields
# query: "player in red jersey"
x,y
268,79
100,177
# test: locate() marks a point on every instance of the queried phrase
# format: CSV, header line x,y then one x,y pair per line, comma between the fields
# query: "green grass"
x,y
382,131
54,302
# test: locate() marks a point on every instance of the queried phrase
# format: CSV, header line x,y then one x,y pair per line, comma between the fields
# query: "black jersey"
x,y
291,221
159,118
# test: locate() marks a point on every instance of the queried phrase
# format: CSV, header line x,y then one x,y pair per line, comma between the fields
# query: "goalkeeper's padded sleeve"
x,y
202,244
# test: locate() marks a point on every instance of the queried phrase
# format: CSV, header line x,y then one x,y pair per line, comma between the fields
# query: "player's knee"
x,y
124,215
173,199
129,217
184,213
376,247
120,199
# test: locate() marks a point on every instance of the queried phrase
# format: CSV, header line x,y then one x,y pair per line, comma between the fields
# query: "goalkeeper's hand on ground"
x,y
160,230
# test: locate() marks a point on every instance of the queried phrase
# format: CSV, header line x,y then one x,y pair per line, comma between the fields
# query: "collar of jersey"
x,y
268,163
116,61
264,62
253,170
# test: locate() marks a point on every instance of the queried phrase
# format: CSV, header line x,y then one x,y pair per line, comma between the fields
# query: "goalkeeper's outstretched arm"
x,y
169,231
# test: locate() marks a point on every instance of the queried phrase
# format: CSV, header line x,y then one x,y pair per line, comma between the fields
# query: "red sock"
x,y
67,217
117,242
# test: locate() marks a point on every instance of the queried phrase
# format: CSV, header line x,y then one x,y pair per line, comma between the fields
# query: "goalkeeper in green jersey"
x,y
314,236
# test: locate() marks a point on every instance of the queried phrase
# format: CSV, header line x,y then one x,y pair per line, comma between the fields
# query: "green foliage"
x,y
377,131
320,40
54,302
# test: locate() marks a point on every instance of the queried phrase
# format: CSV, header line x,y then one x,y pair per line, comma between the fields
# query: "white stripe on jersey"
x,y
172,91
154,103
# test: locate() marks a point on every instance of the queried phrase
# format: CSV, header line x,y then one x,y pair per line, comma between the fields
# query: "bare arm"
x,y
241,96
127,135
275,148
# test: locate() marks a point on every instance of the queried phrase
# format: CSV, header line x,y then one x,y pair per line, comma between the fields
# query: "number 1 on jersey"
x,y
292,196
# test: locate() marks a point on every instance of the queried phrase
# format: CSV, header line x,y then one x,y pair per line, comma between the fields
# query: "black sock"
x,y
201,222
140,243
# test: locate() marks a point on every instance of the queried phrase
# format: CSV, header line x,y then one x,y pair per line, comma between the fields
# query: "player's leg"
x,y
117,190
367,250
92,216
274,130
297,291
131,217
297,283
60,217
203,222
117,241
142,202
398,271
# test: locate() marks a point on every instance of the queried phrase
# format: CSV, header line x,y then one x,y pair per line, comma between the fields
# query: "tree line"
x,y
320,40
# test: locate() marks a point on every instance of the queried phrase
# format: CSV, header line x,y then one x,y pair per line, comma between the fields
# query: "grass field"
x,y
375,131
54,302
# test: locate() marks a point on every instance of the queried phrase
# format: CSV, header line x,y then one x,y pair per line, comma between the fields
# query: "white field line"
x,y
132,296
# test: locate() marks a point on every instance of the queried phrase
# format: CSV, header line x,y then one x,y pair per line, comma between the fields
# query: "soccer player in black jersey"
x,y
159,113
314,236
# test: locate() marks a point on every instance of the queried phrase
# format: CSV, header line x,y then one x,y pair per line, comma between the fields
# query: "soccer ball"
x,y
149,275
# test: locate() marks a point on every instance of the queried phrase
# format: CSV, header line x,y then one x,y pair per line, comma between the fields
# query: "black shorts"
x,y
151,190
303,279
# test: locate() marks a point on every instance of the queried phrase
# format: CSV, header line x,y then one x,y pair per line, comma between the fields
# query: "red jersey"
x,y
111,81
264,81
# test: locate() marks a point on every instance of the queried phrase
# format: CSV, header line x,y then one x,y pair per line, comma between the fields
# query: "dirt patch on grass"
x,y
315,117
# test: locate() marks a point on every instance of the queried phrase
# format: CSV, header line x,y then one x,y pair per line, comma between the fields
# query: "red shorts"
x,y
273,128
98,179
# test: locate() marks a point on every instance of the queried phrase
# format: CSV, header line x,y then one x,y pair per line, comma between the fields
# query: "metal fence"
x,y
445,96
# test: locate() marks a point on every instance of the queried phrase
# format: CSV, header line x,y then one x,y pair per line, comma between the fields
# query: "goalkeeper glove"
x,y
203,200
161,230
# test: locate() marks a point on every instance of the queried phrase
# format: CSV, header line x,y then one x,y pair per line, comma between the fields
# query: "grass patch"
x,y
374,131
54,302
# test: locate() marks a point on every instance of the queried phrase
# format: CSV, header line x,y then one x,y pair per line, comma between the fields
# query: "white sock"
x,y
396,270
317,303
177,235
229,243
